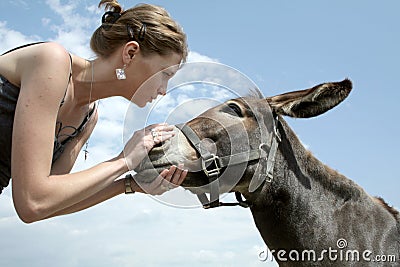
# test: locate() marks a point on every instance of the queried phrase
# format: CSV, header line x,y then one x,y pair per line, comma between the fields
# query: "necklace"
x,y
88,111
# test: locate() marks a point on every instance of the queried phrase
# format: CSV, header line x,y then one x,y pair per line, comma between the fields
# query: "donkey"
x,y
307,213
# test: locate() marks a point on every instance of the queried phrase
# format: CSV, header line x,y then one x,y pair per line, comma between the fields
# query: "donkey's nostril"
x,y
158,145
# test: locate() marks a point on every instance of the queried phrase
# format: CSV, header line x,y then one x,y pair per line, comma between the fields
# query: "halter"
x,y
212,165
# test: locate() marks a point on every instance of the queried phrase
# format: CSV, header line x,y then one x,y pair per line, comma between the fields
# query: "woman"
x,y
48,111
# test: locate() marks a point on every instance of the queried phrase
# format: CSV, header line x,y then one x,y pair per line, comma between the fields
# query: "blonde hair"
x,y
151,26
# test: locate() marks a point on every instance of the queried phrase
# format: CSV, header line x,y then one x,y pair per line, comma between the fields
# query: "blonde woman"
x,y
48,111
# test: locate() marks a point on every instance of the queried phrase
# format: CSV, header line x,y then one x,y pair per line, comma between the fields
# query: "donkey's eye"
x,y
234,109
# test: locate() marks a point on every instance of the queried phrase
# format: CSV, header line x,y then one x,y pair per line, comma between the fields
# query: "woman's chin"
x,y
140,104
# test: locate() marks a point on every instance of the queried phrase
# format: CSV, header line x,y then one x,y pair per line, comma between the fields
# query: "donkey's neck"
x,y
310,206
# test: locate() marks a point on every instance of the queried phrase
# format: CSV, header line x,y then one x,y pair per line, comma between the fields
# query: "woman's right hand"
x,y
142,141
168,179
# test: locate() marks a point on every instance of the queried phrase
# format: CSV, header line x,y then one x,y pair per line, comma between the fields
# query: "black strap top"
x,y
8,100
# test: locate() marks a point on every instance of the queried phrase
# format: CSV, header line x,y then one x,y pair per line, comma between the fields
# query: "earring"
x,y
121,73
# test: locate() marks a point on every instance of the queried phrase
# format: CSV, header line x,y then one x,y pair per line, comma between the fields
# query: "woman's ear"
x,y
131,49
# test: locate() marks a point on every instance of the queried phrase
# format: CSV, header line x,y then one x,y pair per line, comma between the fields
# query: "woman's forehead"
x,y
173,60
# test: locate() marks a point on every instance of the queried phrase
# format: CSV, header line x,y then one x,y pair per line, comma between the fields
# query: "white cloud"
x,y
196,57
11,38
20,4
46,21
75,31
134,230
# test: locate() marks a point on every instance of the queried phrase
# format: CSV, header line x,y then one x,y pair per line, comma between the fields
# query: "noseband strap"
x,y
212,164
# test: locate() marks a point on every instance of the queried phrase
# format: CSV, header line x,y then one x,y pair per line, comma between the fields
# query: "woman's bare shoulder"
x,y
36,58
45,54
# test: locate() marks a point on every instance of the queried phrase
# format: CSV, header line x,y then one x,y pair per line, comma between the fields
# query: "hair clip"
x,y
141,33
131,34
110,17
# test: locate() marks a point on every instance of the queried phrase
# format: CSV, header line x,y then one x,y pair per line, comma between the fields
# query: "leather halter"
x,y
212,165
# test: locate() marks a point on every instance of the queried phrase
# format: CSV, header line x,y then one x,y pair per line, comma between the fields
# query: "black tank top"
x,y
8,101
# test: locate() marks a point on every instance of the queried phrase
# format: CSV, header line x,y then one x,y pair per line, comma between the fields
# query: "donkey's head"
x,y
245,127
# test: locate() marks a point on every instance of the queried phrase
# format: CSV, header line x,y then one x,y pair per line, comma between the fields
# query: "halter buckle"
x,y
269,178
214,162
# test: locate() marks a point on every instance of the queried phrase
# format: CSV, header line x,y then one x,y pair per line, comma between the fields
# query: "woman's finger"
x,y
177,174
160,132
162,127
162,137
168,179
152,126
170,173
165,178
182,177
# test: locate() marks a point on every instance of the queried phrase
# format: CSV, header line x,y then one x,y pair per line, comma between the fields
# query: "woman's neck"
x,y
93,80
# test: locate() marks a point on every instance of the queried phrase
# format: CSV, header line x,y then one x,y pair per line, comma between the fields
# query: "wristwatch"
x,y
128,187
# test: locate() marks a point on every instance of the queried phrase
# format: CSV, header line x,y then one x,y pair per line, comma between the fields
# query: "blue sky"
x,y
281,46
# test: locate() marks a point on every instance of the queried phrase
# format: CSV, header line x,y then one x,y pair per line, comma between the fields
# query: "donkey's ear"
x,y
311,102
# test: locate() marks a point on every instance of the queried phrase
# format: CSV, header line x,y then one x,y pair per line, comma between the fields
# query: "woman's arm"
x,y
172,176
114,189
36,192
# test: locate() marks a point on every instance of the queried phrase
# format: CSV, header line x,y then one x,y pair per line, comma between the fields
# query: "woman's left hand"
x,y
168,179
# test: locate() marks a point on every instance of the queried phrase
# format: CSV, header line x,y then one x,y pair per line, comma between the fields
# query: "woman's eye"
x,y
234,110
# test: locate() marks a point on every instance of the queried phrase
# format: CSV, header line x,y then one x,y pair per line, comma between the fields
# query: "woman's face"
x,y
148,76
